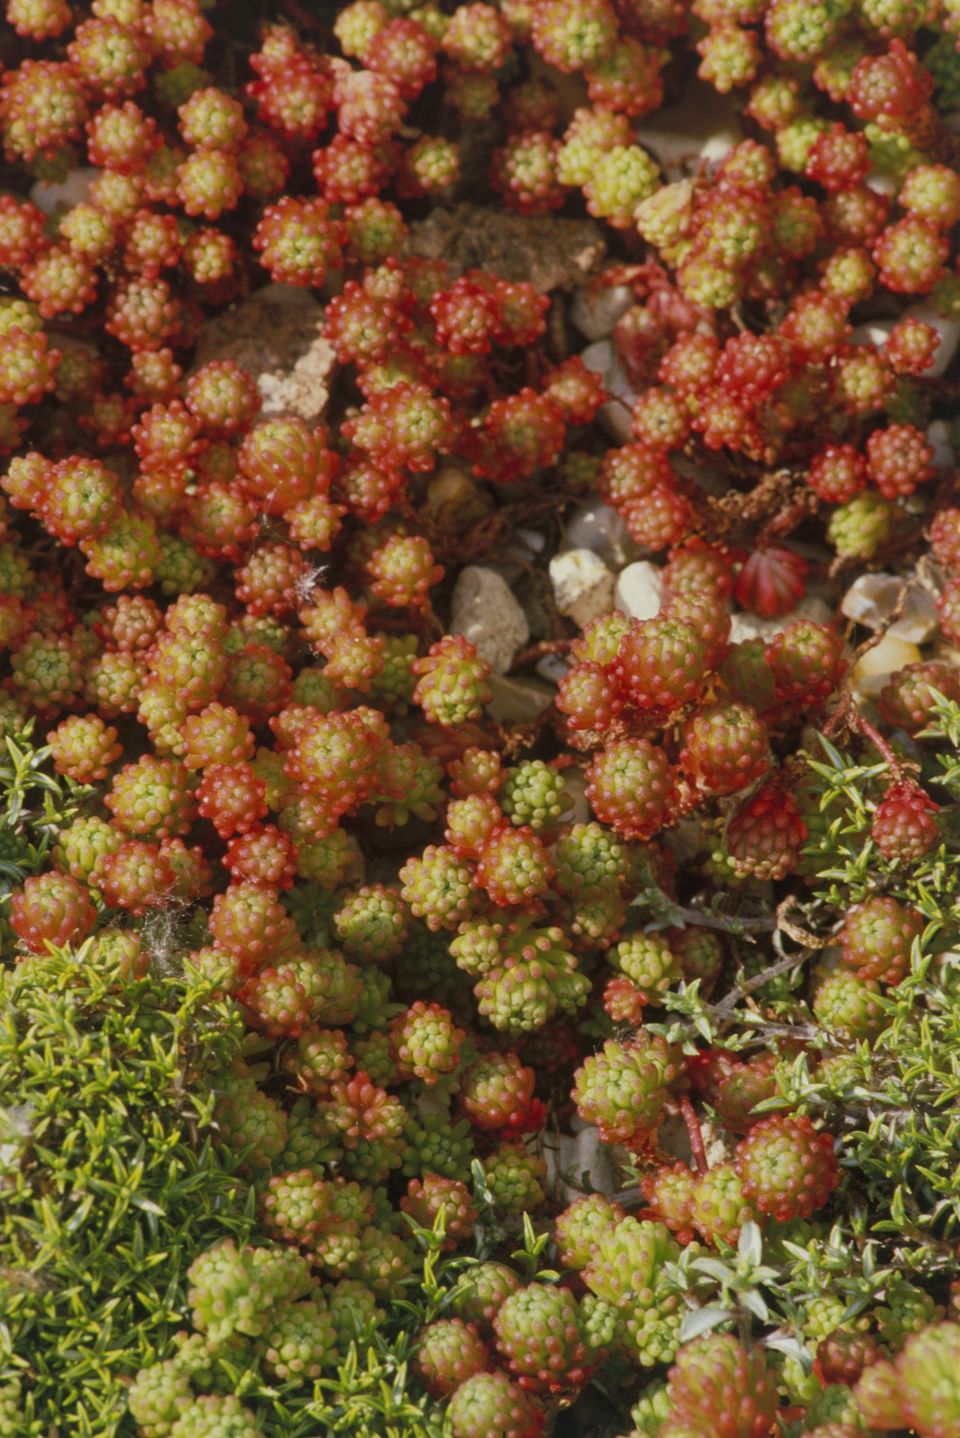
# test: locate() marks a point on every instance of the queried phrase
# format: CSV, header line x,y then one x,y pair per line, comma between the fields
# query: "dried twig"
x,y
727,924
783,966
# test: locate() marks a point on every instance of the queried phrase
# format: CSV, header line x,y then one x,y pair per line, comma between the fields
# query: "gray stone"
x,y
598,527
455,501
872,598
699,130
552,668
948,332
550,252
639,590
618,383
485,611
596,309
616,415
711,478
575,1157
939,438
518,700
752,626
575,786
880,183
875,332
535,542
688,838
673,1138
919,621
61,194
582,585
599,357
275,336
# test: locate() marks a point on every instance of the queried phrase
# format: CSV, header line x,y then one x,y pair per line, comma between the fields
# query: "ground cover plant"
x,y
480,719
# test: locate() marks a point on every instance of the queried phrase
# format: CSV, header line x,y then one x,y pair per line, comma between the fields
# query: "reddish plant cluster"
x,y
224,618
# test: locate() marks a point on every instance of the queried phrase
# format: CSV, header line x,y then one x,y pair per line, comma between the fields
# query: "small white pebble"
x,y
639,590
582,585
875,667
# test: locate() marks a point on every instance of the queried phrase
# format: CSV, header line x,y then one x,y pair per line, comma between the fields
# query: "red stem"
x,y
539,650
873,734
694,1134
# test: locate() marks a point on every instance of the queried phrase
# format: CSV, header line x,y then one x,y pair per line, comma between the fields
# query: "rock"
x,y
948,330
602,358
474,143
598,527
575,787
515,555
874,332
947,327
586,1155
874,667
431,1102
484,609
595,310
617,419
535,542
552,668
673,1138
599,356
518,701
551,253
711,478
582,585
700,130
617,414
275,335
880,183
639,590
61,194
872,598
948,653
454,500
752,626
535,595
583,1159
688,838
939,438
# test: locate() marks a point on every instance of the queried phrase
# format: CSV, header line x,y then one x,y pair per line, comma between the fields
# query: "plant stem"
x,y
694,1134
782,966
873,735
